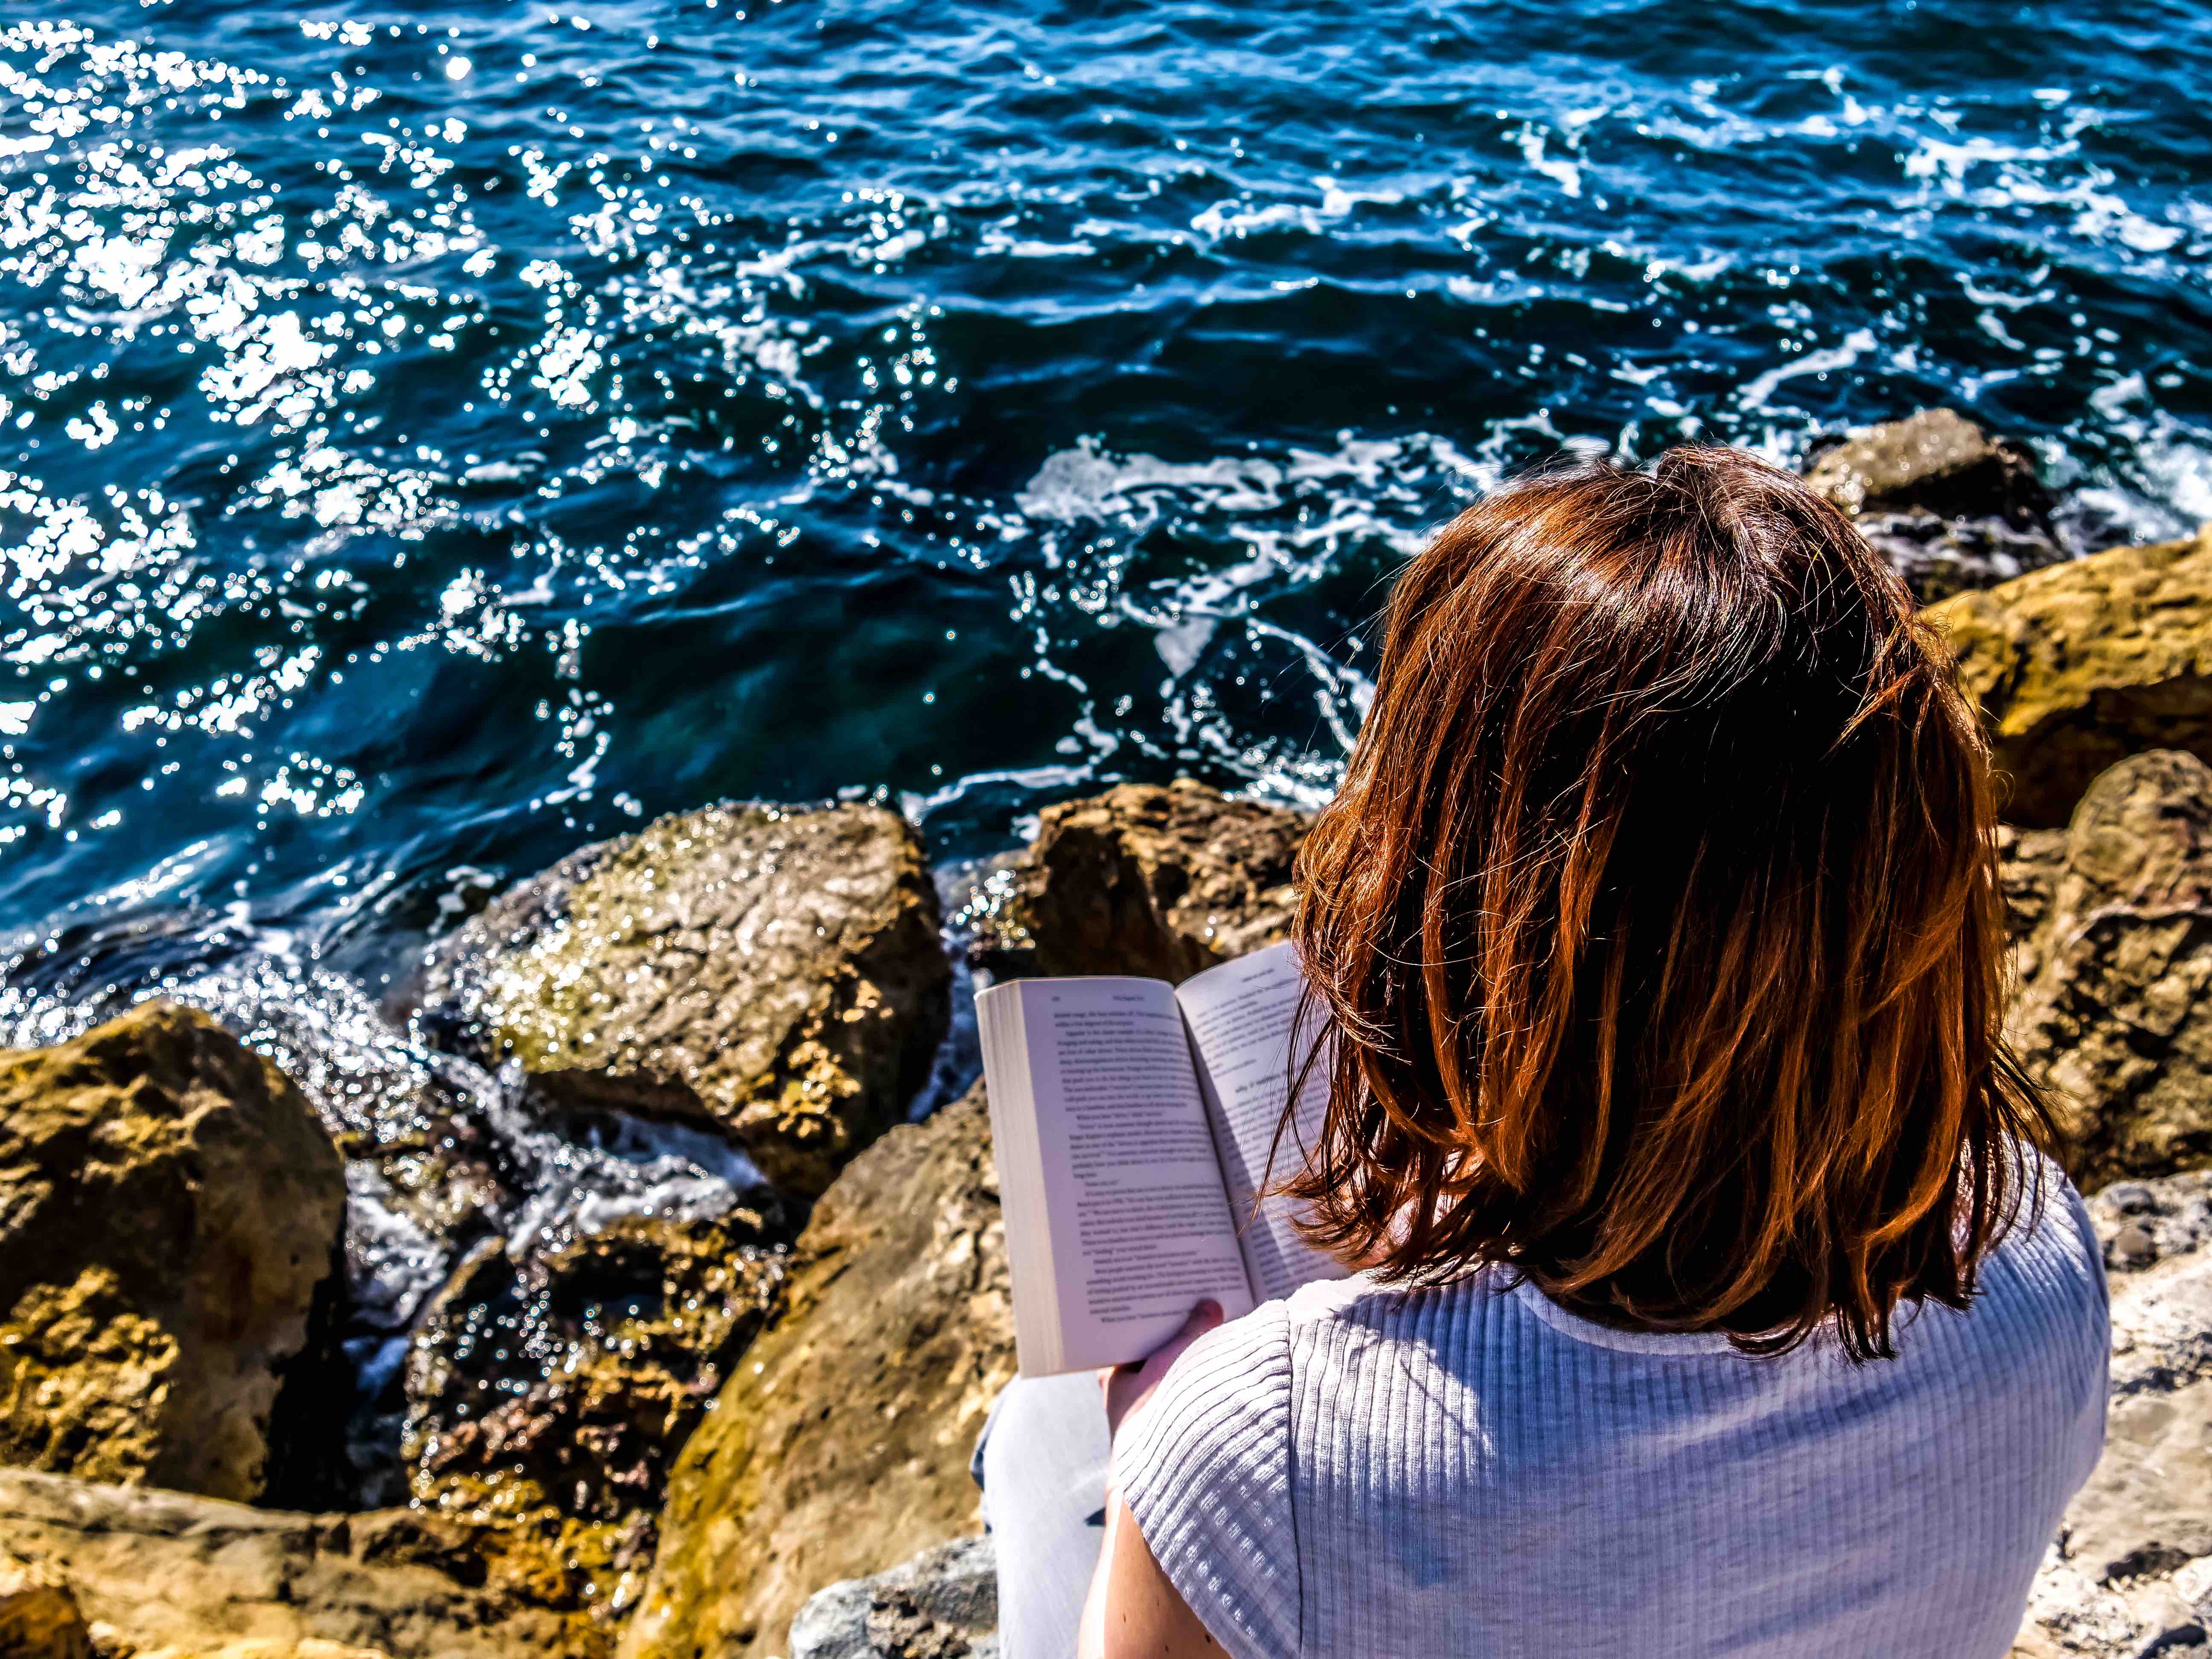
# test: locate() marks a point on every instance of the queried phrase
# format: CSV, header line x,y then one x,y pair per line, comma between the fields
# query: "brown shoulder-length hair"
x,y
1656,929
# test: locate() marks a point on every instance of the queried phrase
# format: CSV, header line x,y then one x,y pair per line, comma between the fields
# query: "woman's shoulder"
x,y
2044,1280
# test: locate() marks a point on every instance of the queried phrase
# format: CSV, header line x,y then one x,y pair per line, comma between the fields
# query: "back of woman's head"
x,y
1658,920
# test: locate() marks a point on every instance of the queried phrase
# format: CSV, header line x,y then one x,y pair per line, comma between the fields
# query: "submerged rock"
x,y
2115,1013
1937,463
2079,665
775,973
841,1444
559,1388
942,1604
159,1575
1144,880
2131,1571
169,1203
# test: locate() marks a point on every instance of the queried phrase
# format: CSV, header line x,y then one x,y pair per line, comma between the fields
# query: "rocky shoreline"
x,y
721,1402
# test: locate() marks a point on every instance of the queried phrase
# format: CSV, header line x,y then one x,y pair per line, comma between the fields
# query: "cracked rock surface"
x,y
1144,879
774,972
2114,1014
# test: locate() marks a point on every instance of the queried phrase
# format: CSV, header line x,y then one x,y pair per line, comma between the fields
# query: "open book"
x,y
1133,1122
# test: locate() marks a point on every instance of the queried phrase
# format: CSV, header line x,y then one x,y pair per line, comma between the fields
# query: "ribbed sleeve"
x,y
1366,1471
1205,1471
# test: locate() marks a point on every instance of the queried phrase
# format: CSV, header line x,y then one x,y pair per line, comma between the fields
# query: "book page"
x,y
1241,1016
1132,1191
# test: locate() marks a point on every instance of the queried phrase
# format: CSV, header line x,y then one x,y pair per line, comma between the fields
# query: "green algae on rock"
x,y
2079,665
775,973
169,1203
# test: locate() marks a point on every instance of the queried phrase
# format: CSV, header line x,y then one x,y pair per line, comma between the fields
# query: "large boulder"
x,y
2114,1014
555,1383
160,1575
2131,1571
1144,880
943,1603
1936,462
2079,665
169,1203
841,1445
1950,506
776,973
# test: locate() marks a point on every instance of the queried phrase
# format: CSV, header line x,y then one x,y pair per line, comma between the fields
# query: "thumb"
x,y
1126,1386
1203,1318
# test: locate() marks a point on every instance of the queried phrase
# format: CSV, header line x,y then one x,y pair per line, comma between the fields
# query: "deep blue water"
x,y
436,434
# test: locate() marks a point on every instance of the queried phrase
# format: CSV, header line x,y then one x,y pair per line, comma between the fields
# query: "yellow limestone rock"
x,y
2079,664
168,1203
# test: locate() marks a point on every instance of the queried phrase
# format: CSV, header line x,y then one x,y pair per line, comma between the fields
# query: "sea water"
x,y
434,435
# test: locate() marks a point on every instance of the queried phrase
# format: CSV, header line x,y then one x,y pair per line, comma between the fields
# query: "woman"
x,y
1716,1294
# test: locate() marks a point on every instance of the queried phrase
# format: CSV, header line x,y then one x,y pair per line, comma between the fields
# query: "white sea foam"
x,y
1297,516
1761,387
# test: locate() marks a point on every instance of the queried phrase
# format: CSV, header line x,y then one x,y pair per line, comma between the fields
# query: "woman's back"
x,y
1469,1469
1656,945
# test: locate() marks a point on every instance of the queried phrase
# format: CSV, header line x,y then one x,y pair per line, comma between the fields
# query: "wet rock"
x,y
1939,557
161,1574
427,1175
2131,1571
1952,508
1143,880
558,1388
442,1156
1937,463
168,1204
2117,1020
944,1604
776,973
841,1444
2080,665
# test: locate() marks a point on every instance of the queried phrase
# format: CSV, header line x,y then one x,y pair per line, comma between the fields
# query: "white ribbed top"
x,y
1364,1471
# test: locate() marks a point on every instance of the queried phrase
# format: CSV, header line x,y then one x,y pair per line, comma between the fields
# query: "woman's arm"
x,y
1132,1611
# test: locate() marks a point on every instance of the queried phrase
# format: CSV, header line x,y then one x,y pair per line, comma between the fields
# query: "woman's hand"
x,y
1128,1387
